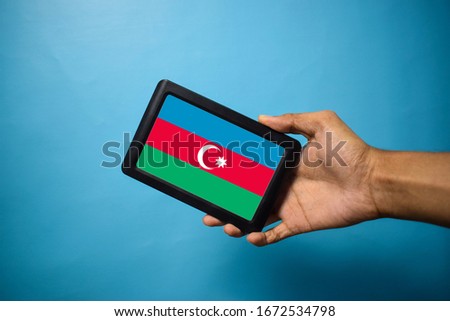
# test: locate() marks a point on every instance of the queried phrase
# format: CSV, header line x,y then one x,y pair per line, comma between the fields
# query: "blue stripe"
x,y
213,128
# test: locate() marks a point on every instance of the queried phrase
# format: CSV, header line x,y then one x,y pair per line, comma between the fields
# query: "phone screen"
x,y
209,157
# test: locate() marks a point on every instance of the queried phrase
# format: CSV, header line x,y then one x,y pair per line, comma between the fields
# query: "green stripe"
x,y
196,181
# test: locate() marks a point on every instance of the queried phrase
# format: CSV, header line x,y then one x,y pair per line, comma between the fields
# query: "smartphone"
x,y
210,156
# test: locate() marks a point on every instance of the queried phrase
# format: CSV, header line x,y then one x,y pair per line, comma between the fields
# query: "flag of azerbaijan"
x,y
209,157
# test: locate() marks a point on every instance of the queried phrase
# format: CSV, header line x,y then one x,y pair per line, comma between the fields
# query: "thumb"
x,y
306,123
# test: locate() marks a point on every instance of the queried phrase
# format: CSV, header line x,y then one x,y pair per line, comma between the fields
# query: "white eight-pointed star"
x,y
221,162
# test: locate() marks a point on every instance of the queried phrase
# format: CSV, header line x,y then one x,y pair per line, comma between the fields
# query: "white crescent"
x,y
201,152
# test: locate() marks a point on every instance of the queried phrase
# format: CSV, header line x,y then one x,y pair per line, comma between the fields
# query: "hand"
x,y
323,191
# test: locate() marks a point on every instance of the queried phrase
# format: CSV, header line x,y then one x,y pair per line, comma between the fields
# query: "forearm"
x,y
412,185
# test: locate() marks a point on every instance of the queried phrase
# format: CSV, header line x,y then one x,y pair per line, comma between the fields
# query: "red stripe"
x,y
185,145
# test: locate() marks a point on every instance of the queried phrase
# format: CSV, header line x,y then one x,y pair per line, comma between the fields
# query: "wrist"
x,y
403,186
379,182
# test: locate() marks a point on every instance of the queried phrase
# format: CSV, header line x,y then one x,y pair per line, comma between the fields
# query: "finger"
x,y
209,220
232,230
302,123
271,236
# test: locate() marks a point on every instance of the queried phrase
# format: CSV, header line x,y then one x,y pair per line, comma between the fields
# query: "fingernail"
x,y
264,116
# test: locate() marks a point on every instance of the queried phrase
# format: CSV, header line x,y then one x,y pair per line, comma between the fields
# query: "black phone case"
x,y
292,149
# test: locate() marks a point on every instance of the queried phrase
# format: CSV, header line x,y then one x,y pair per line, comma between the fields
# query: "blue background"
x,y
76,74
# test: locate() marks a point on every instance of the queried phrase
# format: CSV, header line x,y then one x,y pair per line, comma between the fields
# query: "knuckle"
x,y
272,237
290,116
328,117
292,121
329,114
